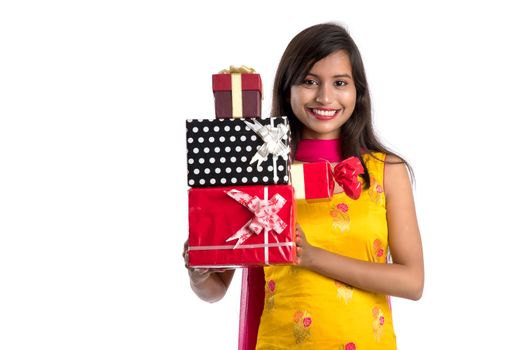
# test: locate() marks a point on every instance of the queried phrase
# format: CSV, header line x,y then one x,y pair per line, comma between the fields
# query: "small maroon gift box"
x,y
312,180
241,226
237,95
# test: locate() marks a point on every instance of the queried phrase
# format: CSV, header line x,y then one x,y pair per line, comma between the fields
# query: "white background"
x,y
93,101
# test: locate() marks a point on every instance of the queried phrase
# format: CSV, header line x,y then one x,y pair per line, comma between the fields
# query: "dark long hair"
x,y
304,50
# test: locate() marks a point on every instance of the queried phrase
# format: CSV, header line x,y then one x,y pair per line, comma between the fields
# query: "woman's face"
x,y
326,98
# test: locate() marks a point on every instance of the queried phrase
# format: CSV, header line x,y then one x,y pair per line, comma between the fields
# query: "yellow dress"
x,y
305,310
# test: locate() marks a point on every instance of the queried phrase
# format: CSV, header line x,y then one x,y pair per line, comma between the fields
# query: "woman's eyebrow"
x,y
335,76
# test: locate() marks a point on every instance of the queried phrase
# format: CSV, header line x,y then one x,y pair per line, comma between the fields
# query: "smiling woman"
x,y
337,294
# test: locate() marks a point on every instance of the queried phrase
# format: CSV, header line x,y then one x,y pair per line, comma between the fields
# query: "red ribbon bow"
x,y
265,211
346,175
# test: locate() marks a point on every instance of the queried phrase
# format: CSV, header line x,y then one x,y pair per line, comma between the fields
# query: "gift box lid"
x,y
250,81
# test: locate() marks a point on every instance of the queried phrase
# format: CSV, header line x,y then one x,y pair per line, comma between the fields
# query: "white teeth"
x,y
324,113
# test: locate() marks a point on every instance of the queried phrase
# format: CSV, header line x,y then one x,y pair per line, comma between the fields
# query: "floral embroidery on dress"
x,y
302,327
339,213
270,294
344,292
348,346
378,322
379,250
375,191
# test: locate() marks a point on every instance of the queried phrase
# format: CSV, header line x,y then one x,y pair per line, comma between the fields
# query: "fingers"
x,y
298,232
199,272
299,251
300,236
185,248
299,255
298,241
185,254
301,244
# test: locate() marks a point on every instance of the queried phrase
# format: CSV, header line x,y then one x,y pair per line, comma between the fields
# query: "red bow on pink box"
x,y
346,175
266,218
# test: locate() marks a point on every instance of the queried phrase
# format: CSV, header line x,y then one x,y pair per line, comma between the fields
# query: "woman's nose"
x,y
324,94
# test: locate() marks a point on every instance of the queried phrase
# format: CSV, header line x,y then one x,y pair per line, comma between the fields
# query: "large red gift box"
x,y
241,226
312,181
237,95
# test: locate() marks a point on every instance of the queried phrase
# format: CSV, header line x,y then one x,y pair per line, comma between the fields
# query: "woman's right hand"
x,y
209,284
197,275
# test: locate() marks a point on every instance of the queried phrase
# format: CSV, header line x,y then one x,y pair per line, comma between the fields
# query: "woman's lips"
x,y
323,113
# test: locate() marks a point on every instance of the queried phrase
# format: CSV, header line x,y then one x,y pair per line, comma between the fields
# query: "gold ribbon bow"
x,y
239,70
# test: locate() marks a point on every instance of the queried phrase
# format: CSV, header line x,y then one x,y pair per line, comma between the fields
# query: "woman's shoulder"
x,y
396,173
384,166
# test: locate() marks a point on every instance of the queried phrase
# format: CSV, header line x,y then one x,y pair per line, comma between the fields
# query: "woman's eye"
x,y
340,83
310,82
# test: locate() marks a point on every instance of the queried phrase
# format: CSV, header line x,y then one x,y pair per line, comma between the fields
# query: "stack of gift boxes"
x,y
241,203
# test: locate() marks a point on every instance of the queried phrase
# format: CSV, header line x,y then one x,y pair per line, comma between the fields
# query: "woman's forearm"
x,y
390,279
210,286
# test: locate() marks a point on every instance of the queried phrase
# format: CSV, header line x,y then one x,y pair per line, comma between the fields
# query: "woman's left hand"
x,y
304,249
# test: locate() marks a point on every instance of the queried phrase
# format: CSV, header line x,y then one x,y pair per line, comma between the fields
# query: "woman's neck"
x,y
312,150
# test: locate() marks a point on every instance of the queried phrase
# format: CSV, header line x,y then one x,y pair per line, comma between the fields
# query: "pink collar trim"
x,y
310,150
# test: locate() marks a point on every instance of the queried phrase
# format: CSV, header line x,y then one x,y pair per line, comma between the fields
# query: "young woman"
x,y
337,296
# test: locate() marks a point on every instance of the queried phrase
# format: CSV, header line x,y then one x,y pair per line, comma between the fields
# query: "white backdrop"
x,y
93,99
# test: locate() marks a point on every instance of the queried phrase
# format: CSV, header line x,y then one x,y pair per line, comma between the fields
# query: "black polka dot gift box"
x,y
239,151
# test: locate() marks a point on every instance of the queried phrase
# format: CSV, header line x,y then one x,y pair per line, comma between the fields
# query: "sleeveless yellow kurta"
x,y
305,310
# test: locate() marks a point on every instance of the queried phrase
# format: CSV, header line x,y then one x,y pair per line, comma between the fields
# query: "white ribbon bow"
x,y
272,137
